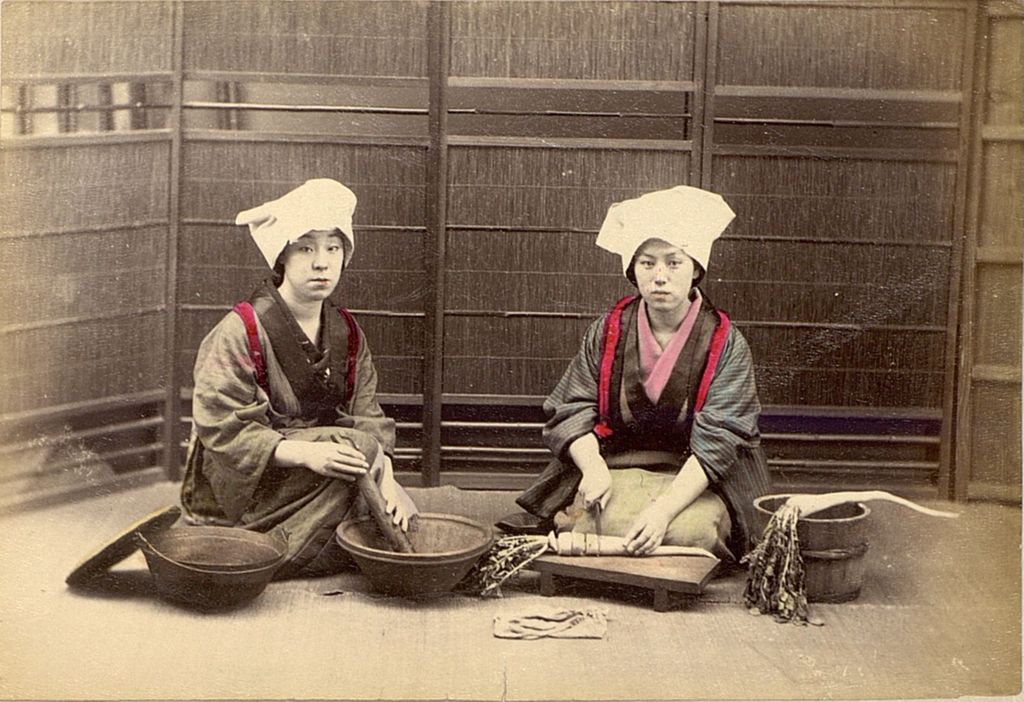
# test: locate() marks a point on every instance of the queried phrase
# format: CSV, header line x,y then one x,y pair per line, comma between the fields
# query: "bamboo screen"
x,y
835,130
82,244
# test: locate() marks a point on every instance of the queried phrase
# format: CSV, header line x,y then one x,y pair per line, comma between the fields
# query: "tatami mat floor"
x,y
939,617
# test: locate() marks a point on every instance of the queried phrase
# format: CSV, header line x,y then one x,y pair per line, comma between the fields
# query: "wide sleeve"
x,y
571,407
230,415
729,417
365,413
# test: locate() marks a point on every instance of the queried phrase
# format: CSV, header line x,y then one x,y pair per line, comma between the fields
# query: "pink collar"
x,y
656,364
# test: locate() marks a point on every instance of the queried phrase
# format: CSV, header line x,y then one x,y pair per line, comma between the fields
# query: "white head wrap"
x,y
689,218
317,205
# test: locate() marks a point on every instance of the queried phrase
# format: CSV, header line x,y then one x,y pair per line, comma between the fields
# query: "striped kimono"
x,y
633,431
240,415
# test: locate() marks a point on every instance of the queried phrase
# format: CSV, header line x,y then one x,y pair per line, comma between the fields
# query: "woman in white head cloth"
x,y
653,426
285,412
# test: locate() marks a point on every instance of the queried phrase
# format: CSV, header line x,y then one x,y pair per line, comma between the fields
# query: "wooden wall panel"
x,y
988,442
1002,209
998,317
995,435
43,37
867,47
339,38
621,41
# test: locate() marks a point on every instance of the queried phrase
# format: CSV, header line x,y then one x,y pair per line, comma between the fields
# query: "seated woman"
x,y
654,424
285,411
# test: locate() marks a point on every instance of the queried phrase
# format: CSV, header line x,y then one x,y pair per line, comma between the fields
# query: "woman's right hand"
x,y
596,485
330,459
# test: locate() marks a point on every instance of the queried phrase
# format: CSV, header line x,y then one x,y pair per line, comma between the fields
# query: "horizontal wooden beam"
x,y
570,143
1000,255
63,141
307,78
74,462
994,492
77,435
811,92
455,82
22,327
27,233
69,410
860,4
992,373
217,135
838,153
287,107
994,132
13,503
51,78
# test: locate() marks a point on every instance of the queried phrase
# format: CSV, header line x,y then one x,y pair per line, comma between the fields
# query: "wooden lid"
x,y
123,545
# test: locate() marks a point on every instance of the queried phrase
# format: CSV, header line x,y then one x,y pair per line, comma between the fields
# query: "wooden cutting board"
x,y
660,574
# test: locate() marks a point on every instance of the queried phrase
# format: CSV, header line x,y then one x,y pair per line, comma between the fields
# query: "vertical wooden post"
x,y
438,30
708,87
955,451
172,404
952,476
700,67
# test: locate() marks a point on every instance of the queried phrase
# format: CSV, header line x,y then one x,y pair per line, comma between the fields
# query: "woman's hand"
x,y
596,486
330,459
647,531
398,504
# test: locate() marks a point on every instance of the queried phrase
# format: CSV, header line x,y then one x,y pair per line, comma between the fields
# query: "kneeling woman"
x,y
285,411
654,424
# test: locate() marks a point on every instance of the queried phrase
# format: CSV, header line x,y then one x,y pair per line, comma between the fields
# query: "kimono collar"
x,y
656,364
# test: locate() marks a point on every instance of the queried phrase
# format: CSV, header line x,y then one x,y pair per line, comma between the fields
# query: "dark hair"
x,y
631,274
277,277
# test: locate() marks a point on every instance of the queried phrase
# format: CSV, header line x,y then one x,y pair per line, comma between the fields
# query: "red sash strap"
x,y
612,331
714,353
353,354
248,315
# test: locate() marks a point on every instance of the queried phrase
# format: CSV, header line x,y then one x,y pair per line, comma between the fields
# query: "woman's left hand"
x,y
398,504
647,531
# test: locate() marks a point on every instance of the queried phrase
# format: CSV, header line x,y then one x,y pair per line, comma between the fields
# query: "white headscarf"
x,y
686,217
317,205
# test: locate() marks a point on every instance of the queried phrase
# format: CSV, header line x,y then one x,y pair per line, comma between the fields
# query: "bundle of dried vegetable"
x,y
775,575
511,554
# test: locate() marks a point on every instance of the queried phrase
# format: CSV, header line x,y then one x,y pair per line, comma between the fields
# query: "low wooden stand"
x,y
662,574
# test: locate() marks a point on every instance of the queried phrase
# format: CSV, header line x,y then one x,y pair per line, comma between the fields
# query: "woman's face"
x,y
664,275
312,266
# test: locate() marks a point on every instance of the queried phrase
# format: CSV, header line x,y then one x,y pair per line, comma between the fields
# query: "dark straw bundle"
x,y
775,570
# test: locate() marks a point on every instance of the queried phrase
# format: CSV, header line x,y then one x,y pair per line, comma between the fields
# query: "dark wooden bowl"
x,y
211,568
447,546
